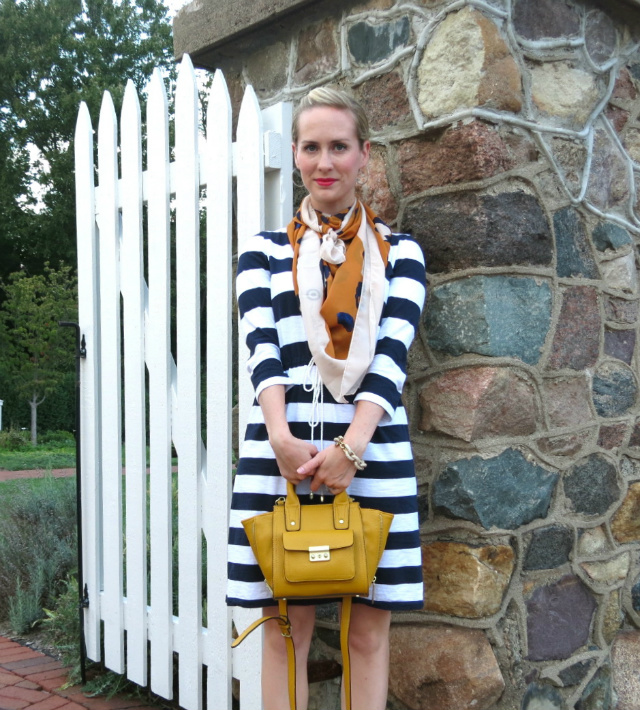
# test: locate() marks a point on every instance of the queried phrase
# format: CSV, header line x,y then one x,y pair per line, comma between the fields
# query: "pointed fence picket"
x,y
139,619
132,282
219,381
110,415
88,288
160,368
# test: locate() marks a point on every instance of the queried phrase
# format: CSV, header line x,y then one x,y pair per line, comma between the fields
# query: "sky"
x,y
175,5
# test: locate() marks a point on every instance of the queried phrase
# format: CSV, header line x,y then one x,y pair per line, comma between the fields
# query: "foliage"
x,y
54,54
37,545
37,351
57,412
110,684
25,608
13,440
58,439
62,627
59,618
37,458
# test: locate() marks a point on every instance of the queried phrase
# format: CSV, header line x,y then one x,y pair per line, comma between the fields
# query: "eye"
x,y
341,147
310,148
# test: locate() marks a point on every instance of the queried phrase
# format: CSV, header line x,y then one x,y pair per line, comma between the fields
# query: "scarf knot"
x,y
333,249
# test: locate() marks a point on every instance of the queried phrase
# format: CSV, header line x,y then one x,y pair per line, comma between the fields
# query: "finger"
x,y
309,467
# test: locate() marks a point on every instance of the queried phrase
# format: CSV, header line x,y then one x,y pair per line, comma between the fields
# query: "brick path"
x,y
36,473
30,680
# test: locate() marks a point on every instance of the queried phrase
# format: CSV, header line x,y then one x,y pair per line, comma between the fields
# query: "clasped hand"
x,y
298,459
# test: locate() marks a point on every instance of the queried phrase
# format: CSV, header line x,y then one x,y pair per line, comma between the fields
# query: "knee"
x,y
302,624
368,641
273,639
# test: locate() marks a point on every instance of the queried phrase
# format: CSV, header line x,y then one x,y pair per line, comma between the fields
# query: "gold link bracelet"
x,y
350,453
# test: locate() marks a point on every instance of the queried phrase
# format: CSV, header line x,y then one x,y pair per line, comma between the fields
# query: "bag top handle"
x,y
292,509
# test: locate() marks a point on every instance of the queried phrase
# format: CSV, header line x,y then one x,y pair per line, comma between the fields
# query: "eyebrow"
x,y
333,140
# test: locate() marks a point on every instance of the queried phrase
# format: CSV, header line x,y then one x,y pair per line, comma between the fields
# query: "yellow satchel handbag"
x,y
317,551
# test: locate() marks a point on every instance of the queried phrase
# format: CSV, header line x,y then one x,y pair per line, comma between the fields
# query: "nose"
x,y
324,162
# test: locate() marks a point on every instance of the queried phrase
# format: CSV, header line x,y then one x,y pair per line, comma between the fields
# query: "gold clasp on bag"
x,y
319,553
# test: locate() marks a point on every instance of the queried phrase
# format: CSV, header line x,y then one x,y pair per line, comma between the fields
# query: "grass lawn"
x,y
38,457
41,457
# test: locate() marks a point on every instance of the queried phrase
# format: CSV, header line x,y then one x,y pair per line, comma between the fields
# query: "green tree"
x,y
37,352
54,54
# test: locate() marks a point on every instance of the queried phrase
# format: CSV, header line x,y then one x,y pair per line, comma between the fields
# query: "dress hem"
x,y
383,605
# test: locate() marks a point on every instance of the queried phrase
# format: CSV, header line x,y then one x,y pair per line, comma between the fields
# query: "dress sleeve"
x,y
387,373
253,289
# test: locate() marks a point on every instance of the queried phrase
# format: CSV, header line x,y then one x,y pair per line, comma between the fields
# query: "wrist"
x,y
355,458
358,444
278,434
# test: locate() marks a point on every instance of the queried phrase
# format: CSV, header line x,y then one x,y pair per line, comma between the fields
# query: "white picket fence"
x,y
127,522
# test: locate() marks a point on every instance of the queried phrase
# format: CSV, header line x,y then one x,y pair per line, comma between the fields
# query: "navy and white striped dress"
x,y
279,354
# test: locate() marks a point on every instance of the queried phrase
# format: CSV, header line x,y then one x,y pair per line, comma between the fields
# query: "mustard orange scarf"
x,y
341,265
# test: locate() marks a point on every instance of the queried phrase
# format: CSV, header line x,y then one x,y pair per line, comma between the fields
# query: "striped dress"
x,y
279,354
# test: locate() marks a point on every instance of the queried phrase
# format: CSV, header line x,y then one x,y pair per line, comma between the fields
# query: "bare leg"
x,y
275,690
369,653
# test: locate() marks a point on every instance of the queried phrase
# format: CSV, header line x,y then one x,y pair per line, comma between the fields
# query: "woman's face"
x,y
329,156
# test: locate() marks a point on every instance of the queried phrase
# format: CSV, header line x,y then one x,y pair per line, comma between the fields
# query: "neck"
x,y
333,210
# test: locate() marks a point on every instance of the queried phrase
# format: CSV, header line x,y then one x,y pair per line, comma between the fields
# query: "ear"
x,y
366,152
295,155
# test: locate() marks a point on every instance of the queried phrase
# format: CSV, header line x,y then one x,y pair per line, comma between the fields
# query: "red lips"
x,y
325,182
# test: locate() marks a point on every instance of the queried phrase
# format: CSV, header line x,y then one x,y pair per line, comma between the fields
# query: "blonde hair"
x,y
333,98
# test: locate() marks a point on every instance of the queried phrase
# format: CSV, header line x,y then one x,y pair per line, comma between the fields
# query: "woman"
x,y
329,306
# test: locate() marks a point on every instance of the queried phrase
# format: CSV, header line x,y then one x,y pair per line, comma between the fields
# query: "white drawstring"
x,y
313,383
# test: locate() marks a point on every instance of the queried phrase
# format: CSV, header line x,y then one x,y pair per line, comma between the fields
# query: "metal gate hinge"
x,y
84,602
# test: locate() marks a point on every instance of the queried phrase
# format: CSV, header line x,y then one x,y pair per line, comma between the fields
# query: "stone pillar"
x,y
506,139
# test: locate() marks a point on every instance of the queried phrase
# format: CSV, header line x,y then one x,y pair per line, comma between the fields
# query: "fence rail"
x,y
140,620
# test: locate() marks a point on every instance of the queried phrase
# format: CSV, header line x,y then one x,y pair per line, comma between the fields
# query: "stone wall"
x,y
506,138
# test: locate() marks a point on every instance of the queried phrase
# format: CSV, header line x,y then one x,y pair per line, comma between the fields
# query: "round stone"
x,y
614,389
592,485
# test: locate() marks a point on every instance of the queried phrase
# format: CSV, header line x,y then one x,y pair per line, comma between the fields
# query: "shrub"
x,y
14,440
24,606
57,439
37,547
62,627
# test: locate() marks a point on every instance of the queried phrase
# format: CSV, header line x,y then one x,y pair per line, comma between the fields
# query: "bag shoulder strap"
x,y
285,627
285,630
345,623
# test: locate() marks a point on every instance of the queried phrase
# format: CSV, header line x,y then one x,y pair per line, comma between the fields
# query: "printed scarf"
x,y
339,275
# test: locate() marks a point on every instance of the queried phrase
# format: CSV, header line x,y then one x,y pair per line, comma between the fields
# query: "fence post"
x,y
278,196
